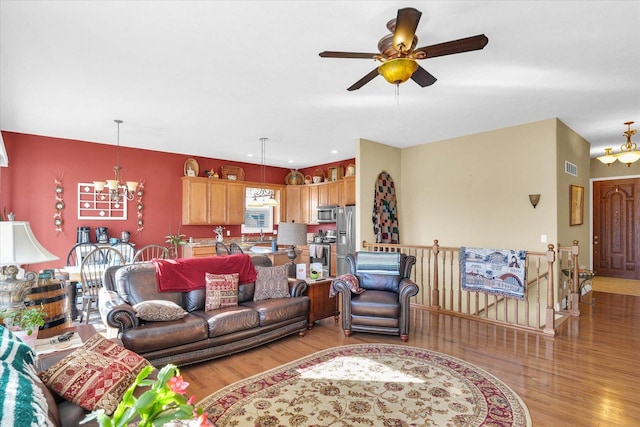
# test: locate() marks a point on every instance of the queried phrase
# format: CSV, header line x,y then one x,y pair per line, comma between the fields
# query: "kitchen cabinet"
x,y
348,196
189,251
294,204
212,202
303,200
236,202
312,202
328,193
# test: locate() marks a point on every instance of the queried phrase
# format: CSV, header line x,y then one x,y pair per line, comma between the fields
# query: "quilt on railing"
x,y
494,271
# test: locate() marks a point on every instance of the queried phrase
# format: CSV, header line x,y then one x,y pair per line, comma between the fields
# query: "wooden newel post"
x,y
574,297
435,292
550,315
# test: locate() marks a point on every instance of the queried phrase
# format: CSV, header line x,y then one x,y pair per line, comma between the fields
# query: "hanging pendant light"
x,y
263,197
115,188
628,151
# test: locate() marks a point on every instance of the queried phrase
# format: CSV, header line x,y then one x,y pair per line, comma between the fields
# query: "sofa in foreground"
x,y
186,311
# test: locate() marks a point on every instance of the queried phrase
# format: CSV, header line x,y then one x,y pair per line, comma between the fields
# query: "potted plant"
x,y
175,240
24,322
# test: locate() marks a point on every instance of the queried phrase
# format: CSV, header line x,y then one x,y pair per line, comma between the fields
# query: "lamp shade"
x,y
628,157
19,246
291,233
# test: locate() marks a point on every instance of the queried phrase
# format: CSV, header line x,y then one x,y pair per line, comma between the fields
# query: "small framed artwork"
x,y
576,206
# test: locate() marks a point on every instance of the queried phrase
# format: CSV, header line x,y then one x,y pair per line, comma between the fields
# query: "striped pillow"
x,y
387,263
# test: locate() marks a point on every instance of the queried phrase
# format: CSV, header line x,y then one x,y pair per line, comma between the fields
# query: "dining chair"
x,y
149,252
222,249
127,250
92,271
78,252
235,248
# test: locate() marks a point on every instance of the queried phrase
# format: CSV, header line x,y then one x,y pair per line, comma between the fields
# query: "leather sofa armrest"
x,y
407,289
342,287
297,287
115,312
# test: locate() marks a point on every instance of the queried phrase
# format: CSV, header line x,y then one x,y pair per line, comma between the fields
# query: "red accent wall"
x,y
27,188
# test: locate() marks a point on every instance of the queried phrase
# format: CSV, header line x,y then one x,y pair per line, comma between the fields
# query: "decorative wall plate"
x,y
294,177
191,168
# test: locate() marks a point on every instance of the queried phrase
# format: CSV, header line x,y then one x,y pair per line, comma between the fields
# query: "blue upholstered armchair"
x,y
383,306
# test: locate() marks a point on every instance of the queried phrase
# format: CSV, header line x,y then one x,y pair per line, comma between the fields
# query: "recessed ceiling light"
x,y
334,151
249,155
290,161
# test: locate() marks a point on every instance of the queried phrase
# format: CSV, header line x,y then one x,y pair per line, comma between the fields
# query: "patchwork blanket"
x,y
22,402
187,274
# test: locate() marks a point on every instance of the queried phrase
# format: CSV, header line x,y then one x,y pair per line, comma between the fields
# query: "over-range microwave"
x,y
327,213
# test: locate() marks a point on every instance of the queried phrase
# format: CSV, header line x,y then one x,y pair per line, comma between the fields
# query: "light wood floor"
x,y
588,375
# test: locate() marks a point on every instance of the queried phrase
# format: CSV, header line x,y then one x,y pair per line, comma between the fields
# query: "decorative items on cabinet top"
x,y
232,173
191,167
294,177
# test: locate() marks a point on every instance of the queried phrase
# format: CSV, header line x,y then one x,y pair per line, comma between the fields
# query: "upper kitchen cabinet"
x,y
348,194
212,202
328,193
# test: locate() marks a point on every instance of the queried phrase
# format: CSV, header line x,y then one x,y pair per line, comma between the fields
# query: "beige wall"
x,y
372,158
575,149
473,190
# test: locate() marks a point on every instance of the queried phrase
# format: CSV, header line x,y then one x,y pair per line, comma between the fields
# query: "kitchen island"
x,y
196,250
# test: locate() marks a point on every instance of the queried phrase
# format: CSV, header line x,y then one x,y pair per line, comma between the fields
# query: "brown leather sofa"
x,y
200,335
384,305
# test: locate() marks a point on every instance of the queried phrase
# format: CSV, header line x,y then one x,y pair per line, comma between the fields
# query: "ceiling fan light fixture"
x,y
398,70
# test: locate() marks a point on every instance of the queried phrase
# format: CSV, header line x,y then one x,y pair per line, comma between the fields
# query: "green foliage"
x,y
28,318
164,401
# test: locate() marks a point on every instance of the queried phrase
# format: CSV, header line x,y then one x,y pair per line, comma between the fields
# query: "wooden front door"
x,y
616,232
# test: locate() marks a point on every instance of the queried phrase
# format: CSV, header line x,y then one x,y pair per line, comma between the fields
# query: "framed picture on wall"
x,y
576,205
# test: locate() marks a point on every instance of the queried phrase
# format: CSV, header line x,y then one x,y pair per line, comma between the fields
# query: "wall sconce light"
x,y
534,199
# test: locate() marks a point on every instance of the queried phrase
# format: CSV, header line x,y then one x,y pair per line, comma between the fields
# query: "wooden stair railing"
x,y
437,273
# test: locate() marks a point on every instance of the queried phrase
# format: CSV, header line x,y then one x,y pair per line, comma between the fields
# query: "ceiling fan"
x,y
398,54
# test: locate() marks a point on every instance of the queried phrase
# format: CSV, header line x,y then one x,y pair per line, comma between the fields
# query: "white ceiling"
x,y
209,78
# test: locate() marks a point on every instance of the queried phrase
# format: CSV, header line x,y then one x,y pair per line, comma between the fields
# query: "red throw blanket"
x,y
187,274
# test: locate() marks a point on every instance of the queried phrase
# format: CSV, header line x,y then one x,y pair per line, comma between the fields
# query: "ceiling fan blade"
x,y
423,77
455,46
357,55
406,25
363,81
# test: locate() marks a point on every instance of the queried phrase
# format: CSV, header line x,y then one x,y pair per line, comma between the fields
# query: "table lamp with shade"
x,y
291,233
18,246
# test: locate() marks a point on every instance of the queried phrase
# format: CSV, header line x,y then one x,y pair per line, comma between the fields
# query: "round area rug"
x,y
369,385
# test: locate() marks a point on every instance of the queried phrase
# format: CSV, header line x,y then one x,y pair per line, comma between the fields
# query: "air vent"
x,y
570,168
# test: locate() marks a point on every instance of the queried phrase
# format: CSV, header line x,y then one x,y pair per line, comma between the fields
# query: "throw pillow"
x,y
159,311
222,291
272,282
96,375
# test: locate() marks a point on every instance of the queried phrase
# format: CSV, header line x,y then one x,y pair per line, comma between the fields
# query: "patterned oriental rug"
x,y
369,385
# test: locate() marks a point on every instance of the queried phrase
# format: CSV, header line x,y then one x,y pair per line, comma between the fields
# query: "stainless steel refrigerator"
x,y
346,230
